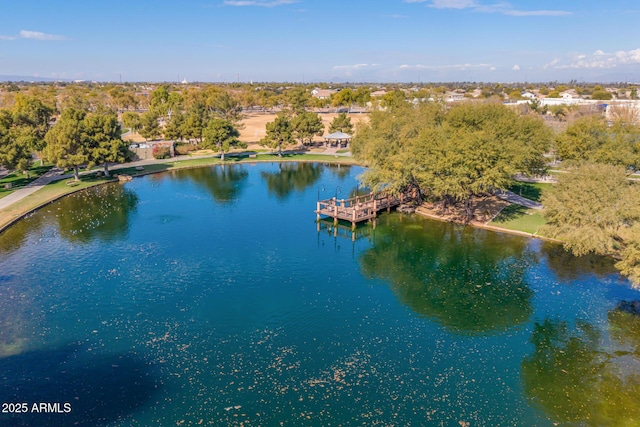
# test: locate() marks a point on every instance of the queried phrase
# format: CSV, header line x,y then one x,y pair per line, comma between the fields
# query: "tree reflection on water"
x,y
469,281
292,177
576,375
102,213
224,183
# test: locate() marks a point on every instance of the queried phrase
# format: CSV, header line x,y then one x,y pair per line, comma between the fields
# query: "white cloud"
x,y
354,67
33,35
37,35
598,59
502,7
460,67
260,3
453,4
349,69
516,67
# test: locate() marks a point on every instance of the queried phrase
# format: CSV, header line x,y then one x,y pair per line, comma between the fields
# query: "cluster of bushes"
x,y
160,152
182,148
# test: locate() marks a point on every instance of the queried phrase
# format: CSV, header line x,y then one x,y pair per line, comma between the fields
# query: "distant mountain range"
x,y
4,78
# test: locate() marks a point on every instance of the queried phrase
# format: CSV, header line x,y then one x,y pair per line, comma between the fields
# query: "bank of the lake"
x,y
65,185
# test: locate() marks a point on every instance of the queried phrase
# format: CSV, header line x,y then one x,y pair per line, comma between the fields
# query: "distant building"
x,y
323,93
378,93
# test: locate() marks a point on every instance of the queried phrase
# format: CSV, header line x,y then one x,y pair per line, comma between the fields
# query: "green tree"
x,y
341,123
225,106
589,138
306,125
362,96
194,123
174,129
149,127
131,120
15,144
221,134
279,133
454,154
345,98
104,138
601,95
394,99
596,209
515,95
67,143
160,101
298,99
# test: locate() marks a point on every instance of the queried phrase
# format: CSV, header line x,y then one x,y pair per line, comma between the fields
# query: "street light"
x,y
319,192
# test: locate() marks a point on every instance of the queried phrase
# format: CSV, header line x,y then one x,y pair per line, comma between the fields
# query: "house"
x,y
528,95
378,93
453,96
323,93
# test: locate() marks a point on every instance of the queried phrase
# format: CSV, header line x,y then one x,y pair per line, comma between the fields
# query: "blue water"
x,y
212,297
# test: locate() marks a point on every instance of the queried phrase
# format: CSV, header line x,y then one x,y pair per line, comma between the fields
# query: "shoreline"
x,y
172,165
214,160
434,217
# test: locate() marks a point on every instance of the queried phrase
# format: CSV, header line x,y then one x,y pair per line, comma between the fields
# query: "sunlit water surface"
x,y
212,297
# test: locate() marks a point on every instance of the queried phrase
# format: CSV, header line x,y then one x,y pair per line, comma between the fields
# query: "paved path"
x,y
518,200
54,174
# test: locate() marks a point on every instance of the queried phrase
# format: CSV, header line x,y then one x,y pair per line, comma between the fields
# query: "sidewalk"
x,y
518,200
54,174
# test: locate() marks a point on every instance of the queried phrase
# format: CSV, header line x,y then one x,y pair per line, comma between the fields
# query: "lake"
x,y
212,296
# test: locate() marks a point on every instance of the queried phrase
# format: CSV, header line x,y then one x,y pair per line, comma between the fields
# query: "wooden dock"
x,y
360,208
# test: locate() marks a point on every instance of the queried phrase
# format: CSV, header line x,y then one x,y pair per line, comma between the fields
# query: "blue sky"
x,y
322,40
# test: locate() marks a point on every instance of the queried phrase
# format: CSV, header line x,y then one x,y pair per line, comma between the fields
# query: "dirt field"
x,y
255,126
256,123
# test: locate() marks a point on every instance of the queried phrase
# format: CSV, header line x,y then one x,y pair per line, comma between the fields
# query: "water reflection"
x,y
292,177
102,213
224,183
469,281
578,376
568,267
13,238
338,170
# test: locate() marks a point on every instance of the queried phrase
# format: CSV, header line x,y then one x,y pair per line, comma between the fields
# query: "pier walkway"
x,y
359,208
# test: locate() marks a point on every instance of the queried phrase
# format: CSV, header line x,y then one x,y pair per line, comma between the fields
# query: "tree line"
x,y
77,138
453,154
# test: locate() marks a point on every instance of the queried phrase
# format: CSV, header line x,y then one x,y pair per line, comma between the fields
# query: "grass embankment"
x,y
45,195
519,218
18,179
60,188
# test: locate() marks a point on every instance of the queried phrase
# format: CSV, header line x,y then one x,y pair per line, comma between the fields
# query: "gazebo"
x,y
337,137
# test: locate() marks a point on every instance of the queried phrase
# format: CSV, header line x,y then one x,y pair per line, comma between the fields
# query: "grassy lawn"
x,y
18,179
530,190
519,218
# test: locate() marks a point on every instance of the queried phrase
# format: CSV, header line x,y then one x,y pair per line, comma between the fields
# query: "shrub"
x,y
160,152
183,149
